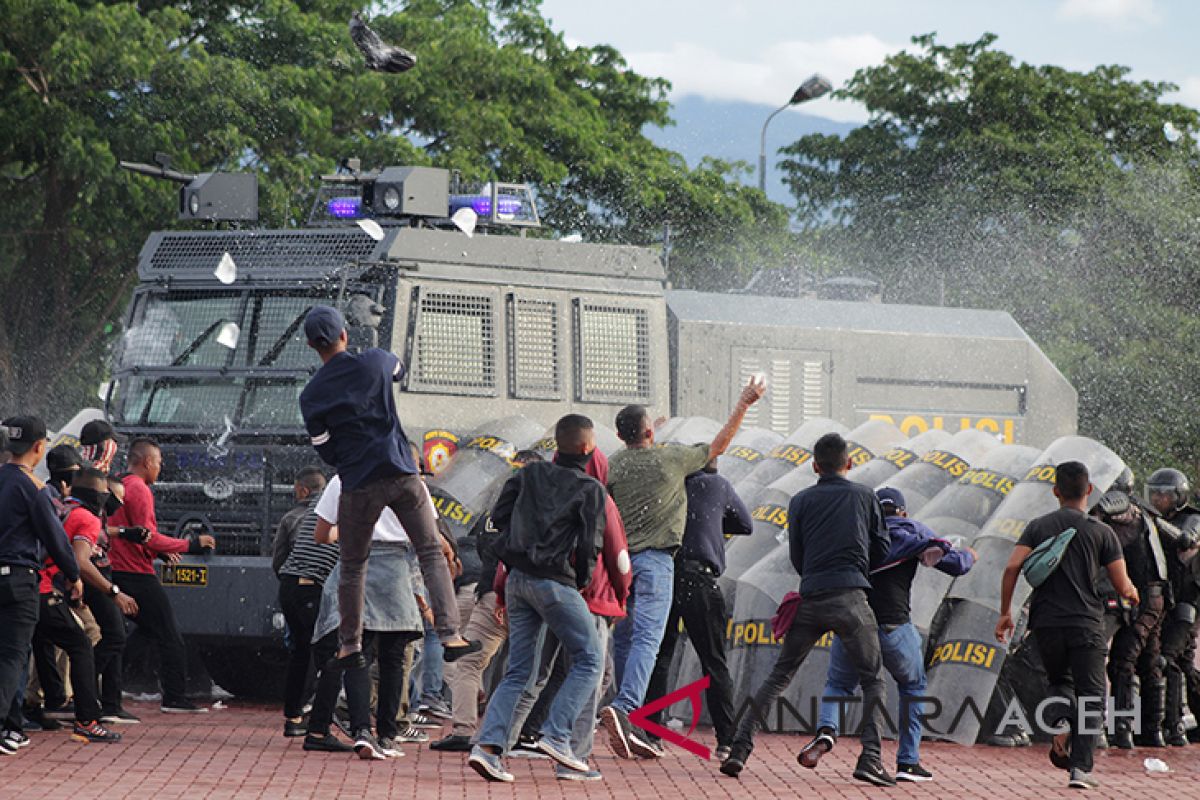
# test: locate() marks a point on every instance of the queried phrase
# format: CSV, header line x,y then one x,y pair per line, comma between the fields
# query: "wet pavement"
x,y
239,752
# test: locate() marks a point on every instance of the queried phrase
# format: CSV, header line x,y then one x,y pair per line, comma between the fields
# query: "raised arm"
x,y
751,393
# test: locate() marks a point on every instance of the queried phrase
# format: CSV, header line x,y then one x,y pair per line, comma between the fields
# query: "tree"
x,y
1068,198
276,86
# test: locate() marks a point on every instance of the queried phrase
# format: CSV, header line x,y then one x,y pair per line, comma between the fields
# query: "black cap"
x,y
323,325
97,431
23,432
63,458
890,497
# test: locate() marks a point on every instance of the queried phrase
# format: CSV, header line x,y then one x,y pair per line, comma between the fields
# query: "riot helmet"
x,y
1172,485
1124,482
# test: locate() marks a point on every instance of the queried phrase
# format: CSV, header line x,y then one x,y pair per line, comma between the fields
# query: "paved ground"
x,y
239,752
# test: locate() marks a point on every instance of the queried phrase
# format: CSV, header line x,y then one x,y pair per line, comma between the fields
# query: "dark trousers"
x,y
847,614
358,511
300,605
1074,661
552,670
58,627
698,602
156,619
1135,647
389,648
1179,645
108,651
18,619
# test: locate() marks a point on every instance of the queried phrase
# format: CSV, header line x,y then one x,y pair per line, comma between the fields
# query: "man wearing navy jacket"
x,y
29,529
836,535
912,544
350,413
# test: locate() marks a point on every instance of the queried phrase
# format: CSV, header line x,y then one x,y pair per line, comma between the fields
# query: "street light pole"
x,y
811,89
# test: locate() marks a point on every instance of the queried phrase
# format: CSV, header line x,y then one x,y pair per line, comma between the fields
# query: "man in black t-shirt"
x,y
1066,615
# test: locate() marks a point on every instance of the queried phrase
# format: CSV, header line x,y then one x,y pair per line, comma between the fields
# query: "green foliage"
x,y
277,86
1054,194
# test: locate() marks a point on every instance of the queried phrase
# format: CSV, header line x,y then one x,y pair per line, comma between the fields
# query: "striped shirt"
x,y
310,559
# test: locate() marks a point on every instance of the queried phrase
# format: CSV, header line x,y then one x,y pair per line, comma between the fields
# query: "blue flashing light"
x,y
506,205
345,207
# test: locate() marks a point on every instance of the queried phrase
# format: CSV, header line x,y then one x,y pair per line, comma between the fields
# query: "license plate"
x,y
185,575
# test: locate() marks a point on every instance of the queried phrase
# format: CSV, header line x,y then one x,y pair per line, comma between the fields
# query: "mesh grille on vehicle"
x,y
259,250
455,343
533,348
613,349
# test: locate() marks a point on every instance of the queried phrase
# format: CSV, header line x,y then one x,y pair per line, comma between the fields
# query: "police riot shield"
x,y
746,452
793,452
865,442
877,470
958,512
965,658
690,430
469,484
940,467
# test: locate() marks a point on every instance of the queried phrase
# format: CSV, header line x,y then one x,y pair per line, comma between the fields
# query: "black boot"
x,y
1173,718
1154,696
1122,736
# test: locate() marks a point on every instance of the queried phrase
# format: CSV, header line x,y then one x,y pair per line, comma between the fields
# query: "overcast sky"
x,y
760,51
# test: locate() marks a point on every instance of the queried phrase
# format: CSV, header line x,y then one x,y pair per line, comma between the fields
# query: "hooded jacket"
x,y
608,589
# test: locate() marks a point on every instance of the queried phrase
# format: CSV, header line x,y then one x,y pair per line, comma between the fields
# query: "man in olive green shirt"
x,y
647,483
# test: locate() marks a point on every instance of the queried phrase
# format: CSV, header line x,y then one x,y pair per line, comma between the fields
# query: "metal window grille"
x,y
613,353
202,252
454,344
533,349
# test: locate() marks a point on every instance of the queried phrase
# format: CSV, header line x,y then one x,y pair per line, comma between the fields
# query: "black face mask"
x,y
112,505
577,461
91,499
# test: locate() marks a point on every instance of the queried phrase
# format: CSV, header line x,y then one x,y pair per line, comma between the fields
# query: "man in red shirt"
x,y
108,604
132,554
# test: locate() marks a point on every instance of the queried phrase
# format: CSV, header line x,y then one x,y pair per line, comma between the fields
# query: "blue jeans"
x,y
531,602
636,638
432,675
900,648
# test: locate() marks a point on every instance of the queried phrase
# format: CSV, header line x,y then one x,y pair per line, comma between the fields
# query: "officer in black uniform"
x,y
1167,491
1135,649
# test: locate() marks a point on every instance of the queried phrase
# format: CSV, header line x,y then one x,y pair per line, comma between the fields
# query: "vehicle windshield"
x,y
239,332
191,330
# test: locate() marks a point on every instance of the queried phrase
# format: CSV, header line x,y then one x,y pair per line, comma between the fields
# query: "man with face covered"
x,y
98,443
109,605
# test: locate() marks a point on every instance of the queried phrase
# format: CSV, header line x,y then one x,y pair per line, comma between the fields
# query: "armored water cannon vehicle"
x,y
496,325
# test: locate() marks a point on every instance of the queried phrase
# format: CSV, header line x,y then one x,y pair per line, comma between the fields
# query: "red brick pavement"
x,y
239,752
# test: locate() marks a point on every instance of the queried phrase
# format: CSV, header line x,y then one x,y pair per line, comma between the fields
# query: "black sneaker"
x,y
644,746
913,772
735,763
367,746
872,771
325,743
811,753
15,738
296,729
411,735
93,732
422,721
391,747
616,723
1060,750
182,707
527,747
119,717
454,743
7,747
452,654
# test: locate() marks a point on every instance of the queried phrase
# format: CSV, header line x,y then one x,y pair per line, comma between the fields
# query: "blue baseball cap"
x,y
323,325
890,497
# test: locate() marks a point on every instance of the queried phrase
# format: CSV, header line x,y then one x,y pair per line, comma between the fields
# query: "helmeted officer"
x,y
1135,649
1167,491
